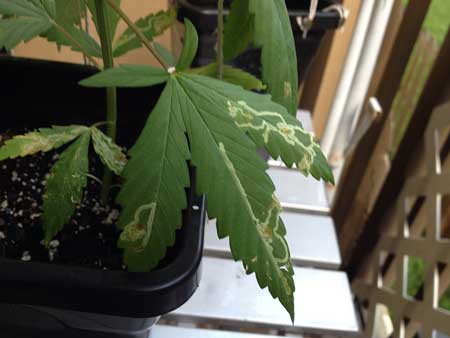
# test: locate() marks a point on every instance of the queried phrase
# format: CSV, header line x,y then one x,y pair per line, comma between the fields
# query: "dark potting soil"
x,y
90,237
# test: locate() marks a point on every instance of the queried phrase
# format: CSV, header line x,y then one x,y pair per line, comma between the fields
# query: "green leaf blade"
x,y
165,54
22,29
231,75
127,76
238,191
70,11
269,125
90,46
64,188
153,195
190,46
44,139
110,153
238,29
273,33
22,8
151,26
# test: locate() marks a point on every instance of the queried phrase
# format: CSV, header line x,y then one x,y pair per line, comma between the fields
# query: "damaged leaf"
x,y
44,139
64,188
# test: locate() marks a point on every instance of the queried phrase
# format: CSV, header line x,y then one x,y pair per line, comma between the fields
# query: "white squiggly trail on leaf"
x,y
138,231
248,118
267,232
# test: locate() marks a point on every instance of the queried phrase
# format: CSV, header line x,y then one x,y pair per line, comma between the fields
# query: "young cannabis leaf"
x,y
110,153
231,75
265,23
238,29
127,76
190,46
68,176
65,185
151,26
44,139
273,32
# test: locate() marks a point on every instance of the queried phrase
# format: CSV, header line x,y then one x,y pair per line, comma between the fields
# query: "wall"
x,y
41,49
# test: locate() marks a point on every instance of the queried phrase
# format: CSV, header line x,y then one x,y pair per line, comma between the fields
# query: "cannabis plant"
x,y
206,118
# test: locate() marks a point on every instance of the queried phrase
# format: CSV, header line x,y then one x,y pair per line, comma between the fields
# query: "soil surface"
x,y
88,240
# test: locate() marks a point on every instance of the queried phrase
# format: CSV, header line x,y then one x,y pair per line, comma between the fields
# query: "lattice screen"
x,y
419,236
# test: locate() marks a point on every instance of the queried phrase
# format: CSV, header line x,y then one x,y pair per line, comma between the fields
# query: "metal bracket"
x,y
306,22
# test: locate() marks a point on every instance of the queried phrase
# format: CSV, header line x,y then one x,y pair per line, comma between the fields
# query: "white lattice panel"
x,y
422,240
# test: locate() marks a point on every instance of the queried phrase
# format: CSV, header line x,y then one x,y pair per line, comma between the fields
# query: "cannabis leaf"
x,y
231,75
64,188
23,8
110,153
33,18
44,139
238,191
272,31
229,172
189,47
89,45
70,11
127,76
153,194
151,26
27,21
165,54
16,30
238,29
270,126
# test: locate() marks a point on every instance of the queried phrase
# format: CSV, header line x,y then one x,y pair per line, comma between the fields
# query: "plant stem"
x,y
111,92
75,42
220,39
138,33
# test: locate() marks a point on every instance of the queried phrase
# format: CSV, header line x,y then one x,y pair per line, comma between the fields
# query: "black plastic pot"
x,y
44,300
203,14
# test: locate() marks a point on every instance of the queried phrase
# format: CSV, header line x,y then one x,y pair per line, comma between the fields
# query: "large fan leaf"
x,y
273,32
153,194
270,126
16,30
23,8
127,76
238,29
231,75
64,189
151,26
110,153
47,18
44,139
239,193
